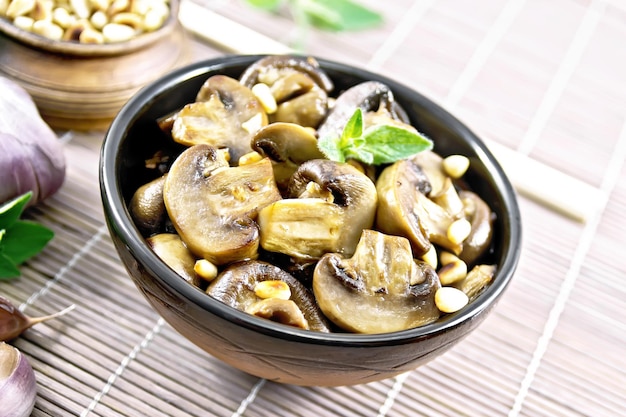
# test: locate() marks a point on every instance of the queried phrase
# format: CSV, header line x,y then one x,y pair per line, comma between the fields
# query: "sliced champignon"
x,y
213,206
481,218
307,109
291,85
271,68
370,96
171,249
288,145
147,208
432,165
477,279
224,115
235,286
298,85
380,289
330,204
405,210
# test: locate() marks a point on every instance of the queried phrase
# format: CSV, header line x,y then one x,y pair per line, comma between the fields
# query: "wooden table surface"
x,y
542,81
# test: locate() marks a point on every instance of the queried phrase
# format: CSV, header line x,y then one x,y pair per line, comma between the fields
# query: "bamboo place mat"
x,y
541,79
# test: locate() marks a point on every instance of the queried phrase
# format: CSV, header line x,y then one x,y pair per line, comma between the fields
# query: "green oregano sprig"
x,y
376,145
19,239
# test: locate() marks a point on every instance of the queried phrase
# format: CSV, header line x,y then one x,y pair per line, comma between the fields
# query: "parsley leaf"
x,y
19,239
380,144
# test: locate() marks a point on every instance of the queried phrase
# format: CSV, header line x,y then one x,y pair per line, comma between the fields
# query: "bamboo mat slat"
x,y
544,79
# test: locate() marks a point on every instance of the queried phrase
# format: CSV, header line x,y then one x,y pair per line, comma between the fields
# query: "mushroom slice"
x,y
147,208
236,284
304,228
404,209
368,95
269,69
307,109
291,85
477,279
481,217
337,202
380,289
213,206
432,165
288,145
171,249
225,115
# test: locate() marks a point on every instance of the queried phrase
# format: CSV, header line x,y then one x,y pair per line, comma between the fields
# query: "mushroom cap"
x,y
213,206
235,287
218,116
380,289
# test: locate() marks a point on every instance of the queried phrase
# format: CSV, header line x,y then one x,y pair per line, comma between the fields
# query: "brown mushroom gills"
x,y
213,206
380,289
235,287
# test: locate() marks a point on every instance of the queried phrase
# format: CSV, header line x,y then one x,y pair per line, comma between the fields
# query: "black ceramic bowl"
x,y
261,347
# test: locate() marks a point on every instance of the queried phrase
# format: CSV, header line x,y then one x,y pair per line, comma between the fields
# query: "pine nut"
x,y
205,269
452,272
48,29
114,32
459,230
450,300
272,288
99,19
456,165
24,22
20,8
264,95
430,257
250,158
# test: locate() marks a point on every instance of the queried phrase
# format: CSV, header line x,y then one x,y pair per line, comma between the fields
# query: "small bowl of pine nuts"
x,y
87,27
81,60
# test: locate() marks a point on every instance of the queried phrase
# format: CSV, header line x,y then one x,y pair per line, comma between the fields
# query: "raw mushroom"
x,y
330,204
225,115
405,210
171,249
235,286
213,206
380,289
481,217
370,96
147,207
288,145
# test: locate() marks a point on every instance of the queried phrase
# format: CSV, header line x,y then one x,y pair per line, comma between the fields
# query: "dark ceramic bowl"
x,y
258,346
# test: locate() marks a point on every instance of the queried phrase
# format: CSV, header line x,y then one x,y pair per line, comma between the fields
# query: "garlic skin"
x,y
18,386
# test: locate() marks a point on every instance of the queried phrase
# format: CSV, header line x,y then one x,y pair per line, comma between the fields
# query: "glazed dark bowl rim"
x,y
120,223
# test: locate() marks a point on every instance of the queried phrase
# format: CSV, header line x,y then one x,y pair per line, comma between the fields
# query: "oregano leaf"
x,y
12,209
8,270
24,239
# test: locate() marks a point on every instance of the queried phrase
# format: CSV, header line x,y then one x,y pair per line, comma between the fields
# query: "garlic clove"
x,y
13,322
18,385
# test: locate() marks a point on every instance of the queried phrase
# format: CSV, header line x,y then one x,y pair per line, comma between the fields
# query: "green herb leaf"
x,y
8,269
24,239
331,147
19,239
339,15
380,144
353,129
12,210
265,4
390,143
